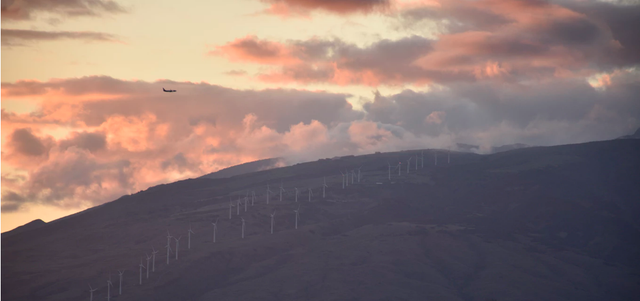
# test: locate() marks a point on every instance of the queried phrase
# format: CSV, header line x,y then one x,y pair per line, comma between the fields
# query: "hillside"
x,y
536,223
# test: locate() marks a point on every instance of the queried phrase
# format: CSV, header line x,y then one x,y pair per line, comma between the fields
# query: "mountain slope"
x,y
538,223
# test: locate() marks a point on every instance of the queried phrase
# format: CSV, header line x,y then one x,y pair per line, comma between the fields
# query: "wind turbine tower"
x,y
168,246
189,237
238,207
91,290
353,175
408,164
310,194
281,190
324,186
359,173
177,245
342,179
246,200
242,227
230,208
347,177
272,215
215,225
153,269
297,211
120,273
296,188
141,267
109,285
148,258
268,191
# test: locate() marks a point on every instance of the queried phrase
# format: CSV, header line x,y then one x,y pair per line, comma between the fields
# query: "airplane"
x,y
168,90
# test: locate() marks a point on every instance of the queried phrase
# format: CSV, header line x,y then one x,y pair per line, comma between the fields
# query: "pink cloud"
x,y
492,40
341,7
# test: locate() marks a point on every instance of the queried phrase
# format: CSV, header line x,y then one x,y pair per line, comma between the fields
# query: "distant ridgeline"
x,y
245,168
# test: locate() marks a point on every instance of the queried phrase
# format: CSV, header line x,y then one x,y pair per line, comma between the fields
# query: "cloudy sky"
x,y
84,118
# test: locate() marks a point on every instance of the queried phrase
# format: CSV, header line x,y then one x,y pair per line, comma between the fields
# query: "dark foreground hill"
x,y
538,223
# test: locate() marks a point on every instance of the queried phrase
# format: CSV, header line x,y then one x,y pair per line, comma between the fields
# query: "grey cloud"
x,y
179,162
25,9
11,201
26,143
20,37
92,142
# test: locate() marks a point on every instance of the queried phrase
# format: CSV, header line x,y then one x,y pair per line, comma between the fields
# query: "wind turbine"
x,y
168,246
408,164
238,207
359,173
141,267
189,238
342,179
347,177
281,190
272,215
353,174
109,286
268,191
242,227
230,207
148,258
154,259
120,273
297,211
296,188
310,194
246,200
215,226
399,167
253,197
177,245
91,290
324,185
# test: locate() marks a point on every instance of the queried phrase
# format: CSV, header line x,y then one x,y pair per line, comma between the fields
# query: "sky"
x,y
85,121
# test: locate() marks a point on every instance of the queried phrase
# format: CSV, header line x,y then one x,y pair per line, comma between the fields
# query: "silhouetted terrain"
x,y
537,223
507,147
34,224
635,135
244,168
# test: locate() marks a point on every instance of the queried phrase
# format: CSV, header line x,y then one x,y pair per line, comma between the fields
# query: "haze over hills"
x,y
537,223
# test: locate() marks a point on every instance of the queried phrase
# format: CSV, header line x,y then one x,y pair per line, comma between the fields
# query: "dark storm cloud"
x,y
25,9
622,20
